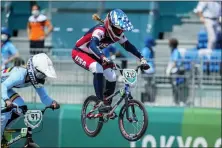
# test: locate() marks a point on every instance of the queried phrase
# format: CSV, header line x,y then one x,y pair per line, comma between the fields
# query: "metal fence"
x,y
74,84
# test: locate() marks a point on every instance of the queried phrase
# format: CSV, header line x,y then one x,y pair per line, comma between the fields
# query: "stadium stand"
x,y
160,19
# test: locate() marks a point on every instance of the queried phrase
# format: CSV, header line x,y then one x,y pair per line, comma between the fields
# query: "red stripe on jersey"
x,y
87,37
84,40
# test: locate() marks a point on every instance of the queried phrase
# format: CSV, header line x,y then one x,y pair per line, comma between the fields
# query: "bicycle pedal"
x,y
90,115
130,120
98,115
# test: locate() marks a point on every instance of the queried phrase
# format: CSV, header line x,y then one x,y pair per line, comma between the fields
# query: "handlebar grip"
x,y
24,108
8,109
145,66
52,107
57,106
110,62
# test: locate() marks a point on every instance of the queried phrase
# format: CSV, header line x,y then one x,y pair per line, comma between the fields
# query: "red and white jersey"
x,y
101,33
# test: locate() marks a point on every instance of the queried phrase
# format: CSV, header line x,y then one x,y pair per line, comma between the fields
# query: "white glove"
x,y
169,68
113,57
105,60
143,61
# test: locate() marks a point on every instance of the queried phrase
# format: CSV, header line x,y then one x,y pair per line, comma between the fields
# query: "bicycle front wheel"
x,y
133,127
92,120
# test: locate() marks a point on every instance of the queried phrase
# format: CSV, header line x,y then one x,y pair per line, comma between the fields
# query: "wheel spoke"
x,y
91,117
134,127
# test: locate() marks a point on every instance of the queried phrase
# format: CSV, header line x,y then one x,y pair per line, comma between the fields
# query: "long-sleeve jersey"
x,y
16,78
97,38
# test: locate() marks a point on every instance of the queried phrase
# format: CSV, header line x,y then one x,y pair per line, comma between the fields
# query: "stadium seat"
x,y
215,61
202,39
190,55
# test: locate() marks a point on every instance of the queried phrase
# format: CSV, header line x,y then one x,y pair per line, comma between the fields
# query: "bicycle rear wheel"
x,y
95,124
136,128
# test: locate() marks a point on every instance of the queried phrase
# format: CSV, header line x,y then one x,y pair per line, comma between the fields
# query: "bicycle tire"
x,y
121,126
83,117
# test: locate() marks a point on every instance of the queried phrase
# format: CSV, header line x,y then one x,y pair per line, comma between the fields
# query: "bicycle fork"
x,y
29,137
134,118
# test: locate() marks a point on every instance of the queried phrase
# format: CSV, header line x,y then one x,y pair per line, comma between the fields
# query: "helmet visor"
x,y
40,75
117,31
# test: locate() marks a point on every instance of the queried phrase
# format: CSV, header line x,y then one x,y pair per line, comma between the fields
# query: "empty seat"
x,y
215,61
190,56
202,39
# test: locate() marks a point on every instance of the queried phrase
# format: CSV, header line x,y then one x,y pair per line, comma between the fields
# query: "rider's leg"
x,y
90,63
98,85
97,70
110,77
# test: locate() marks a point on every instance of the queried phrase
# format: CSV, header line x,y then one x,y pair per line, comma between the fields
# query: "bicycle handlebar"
x,y
117,67
8,109
24,108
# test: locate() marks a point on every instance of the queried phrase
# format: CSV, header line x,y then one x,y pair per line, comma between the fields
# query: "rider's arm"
x,y
44,96
94,43
15,78
129,47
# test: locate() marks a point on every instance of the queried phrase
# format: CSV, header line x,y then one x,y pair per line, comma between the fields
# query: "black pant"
x,y
150,90
35,47
180,91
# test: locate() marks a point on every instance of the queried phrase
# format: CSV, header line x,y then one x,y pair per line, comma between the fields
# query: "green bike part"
x,y
122,92
8,136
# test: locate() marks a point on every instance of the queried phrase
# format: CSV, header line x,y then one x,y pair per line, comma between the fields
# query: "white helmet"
x,y
39,67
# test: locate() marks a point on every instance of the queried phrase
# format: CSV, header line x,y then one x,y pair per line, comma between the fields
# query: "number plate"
x,y
130,76
24,132
33,118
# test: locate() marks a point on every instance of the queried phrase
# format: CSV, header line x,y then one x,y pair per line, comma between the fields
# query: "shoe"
x,y
104,108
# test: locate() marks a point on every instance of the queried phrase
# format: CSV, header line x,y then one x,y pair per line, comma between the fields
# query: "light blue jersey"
x,y
16,78
176,57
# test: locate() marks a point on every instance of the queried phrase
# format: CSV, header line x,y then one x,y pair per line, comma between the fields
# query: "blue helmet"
x,y
5,30
149,41
116,22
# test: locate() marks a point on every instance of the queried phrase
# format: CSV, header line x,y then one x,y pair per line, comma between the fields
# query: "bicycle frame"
x,y
125,96
125,91
28,135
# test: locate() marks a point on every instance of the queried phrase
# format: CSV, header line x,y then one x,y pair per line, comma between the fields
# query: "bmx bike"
x,y
129,113
32,120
